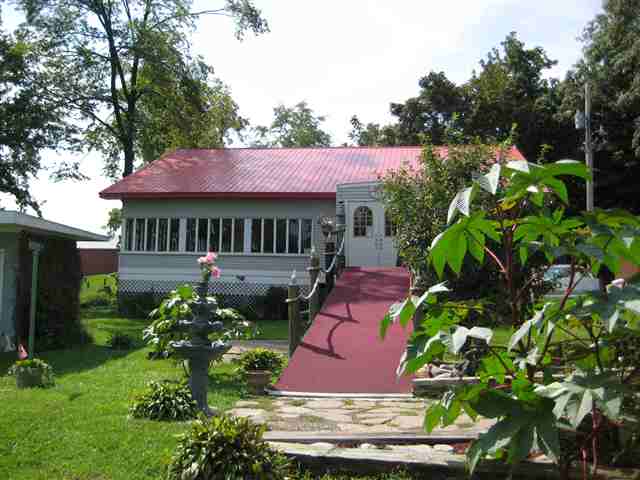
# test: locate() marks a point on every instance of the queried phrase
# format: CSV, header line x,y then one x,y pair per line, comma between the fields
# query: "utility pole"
x,y
588,149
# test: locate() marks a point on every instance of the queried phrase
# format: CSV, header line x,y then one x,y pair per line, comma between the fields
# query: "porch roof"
x,y
275,173
15,221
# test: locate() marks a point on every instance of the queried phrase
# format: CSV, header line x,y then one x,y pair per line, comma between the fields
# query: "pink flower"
x,y
211,257
215,272
202,260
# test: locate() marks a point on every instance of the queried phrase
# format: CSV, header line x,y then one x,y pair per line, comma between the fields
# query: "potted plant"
x,y
32,373
259,365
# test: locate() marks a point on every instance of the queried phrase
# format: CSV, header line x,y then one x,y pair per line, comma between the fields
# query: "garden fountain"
x,y
198,349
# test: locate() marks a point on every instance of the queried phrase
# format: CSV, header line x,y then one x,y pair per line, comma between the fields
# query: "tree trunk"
x,y
129,157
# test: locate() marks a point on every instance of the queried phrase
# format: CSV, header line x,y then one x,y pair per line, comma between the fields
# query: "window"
x,y
203,225
362,220
281,235
227,228
140,222
269,232
294,236
307,234
256,235
238,235
163,234
191,235
390,228
151,234
291,236
214,235
128,232
174,235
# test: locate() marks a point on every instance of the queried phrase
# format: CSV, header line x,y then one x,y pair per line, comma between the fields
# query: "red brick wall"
x,y
94,260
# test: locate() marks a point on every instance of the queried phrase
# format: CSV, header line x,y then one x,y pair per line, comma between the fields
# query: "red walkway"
x,y
342,351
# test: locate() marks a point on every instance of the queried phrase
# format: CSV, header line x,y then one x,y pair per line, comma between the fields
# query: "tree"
x,y
191,112
611,65
510,89
29,121
592,407
105,56
296,126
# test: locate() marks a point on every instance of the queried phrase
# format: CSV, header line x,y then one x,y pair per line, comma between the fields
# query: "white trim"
x,y
280,277
23,220
247,234
223,254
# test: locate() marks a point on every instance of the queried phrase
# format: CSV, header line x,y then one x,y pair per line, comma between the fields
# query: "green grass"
x,y
273,330
80,428
93,287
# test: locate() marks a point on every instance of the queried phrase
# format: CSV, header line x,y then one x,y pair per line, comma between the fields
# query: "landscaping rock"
x,y
246,404
323,445
376,421
322,403
368,446
248,412
441,447
408,421
296,410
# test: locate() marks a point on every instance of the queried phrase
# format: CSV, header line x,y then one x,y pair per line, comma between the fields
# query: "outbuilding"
x,y
24,238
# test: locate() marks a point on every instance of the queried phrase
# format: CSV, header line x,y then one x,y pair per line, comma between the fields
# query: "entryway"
x,y
370,235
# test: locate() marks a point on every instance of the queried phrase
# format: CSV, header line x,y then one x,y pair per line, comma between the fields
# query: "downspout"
x,y
36,248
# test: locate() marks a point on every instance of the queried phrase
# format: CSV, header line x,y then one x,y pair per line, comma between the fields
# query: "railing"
x,y
294,297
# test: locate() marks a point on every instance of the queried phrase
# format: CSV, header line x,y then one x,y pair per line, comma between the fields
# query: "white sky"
x,y
343,57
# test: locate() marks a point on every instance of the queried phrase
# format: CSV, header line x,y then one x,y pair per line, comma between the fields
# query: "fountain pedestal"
x,y
198,349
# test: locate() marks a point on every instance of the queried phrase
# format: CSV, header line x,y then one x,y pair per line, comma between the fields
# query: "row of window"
x,y
226,235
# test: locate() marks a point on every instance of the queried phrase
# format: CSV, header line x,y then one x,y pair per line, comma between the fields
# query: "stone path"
x,y
355,416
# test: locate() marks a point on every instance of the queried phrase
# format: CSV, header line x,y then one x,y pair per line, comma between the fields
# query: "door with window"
x,y
370,236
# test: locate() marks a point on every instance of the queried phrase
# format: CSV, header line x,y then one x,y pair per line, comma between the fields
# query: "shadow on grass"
x,y
71,360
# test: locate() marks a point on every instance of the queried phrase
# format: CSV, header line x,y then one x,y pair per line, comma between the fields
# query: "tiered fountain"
x,y
198,349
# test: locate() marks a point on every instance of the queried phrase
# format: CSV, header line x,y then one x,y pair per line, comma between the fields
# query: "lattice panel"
x,y
229,294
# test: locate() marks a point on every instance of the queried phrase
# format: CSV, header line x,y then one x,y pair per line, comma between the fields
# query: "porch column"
x,y
35,248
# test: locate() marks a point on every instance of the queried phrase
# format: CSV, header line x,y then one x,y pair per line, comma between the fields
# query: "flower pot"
x,y
258,381
29,378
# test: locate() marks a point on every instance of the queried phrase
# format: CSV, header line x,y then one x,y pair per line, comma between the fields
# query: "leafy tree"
x,y
510,88
533,410
194,112
611,65
29,121
296,126
114,222
105,56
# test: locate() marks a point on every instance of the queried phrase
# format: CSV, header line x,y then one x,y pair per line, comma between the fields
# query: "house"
x,y
58,275
261,209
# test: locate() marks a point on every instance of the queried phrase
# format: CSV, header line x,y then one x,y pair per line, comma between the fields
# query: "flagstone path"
x,y
357,416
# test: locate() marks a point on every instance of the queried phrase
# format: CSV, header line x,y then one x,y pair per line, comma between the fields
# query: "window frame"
x,y
130,233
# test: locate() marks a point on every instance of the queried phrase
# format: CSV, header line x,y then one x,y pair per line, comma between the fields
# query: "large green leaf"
x,y
460,336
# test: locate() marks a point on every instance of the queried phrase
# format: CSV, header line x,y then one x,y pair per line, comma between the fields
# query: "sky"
x,y
343,57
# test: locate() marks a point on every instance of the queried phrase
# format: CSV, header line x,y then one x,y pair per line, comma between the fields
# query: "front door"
x,y
370,240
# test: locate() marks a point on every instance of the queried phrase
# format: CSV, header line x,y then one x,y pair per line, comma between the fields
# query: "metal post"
x,y
35,248
293,304
588,149
314,272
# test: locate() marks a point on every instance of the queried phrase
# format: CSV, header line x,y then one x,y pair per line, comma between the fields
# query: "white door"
x,y
369,236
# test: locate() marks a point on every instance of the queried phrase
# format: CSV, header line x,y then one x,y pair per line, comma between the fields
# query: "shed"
x,y
58,278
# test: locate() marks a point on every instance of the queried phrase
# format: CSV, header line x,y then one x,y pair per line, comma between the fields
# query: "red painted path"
x,y
342,351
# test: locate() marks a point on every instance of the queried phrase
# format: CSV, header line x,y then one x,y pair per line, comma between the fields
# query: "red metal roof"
x,y
263,172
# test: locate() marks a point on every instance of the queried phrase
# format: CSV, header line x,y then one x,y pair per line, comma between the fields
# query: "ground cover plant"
x,y
568,419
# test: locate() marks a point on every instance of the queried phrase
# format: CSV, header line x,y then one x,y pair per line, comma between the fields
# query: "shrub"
x,y
178,306
272,305
262,359
120,341
226,447
137,305
164,400
36,372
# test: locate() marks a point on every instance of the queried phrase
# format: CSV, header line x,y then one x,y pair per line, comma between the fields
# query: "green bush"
x,y
262,359
272,305
120,341
137,305
36,368
165,400
226,447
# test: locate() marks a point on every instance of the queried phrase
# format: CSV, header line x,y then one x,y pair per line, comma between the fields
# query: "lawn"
x,y
94,286
80,429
